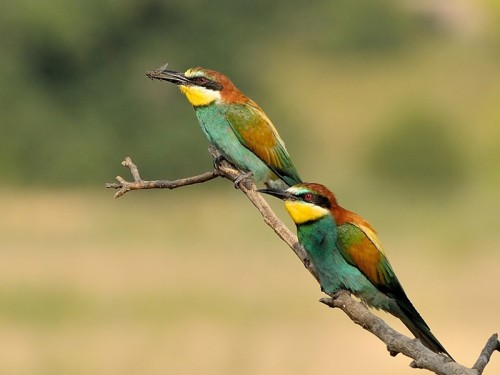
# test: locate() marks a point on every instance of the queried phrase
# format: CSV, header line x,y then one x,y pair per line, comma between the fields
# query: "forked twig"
x,y
124,186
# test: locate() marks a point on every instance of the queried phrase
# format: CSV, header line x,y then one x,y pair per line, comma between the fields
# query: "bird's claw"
x,y
333,294
218,160
336,294
242,177
393,353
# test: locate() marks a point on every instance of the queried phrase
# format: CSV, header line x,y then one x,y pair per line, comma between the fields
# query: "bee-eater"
x,y
347,254
234,124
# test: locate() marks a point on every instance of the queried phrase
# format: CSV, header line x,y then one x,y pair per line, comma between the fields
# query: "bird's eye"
x,y
200,80
308,197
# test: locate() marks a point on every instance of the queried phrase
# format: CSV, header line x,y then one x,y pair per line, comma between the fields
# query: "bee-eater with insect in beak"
x,y
234,124
347,254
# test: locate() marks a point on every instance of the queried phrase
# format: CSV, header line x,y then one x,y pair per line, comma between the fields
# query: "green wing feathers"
x,y
360,247
256,132
361,251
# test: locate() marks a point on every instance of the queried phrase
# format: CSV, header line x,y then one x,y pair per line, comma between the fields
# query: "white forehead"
x,y
296,190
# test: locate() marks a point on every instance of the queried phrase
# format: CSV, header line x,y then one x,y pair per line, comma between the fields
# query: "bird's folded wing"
x,y
256,132
360,247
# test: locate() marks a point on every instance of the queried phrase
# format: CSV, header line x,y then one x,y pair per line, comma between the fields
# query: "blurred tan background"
x,y
395,107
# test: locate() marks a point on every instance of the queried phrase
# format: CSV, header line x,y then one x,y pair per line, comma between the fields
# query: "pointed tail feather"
x,y
284,168
282,181
289,176
294,180
416,324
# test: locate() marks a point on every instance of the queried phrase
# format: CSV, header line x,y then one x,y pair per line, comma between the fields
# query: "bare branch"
x,y
396,342
492,345
249,189
133,169
139,184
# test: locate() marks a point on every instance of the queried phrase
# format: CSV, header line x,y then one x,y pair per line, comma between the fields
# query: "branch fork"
x,y
124,186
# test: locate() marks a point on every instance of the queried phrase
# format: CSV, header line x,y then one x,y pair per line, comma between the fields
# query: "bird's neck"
x,y
319,239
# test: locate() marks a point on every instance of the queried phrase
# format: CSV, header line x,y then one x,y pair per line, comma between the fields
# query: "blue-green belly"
x,y
320,241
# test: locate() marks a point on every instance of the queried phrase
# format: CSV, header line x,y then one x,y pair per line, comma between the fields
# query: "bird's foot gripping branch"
x,y
396,342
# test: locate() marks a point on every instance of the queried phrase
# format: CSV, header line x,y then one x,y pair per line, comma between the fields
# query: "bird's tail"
x,y
294,179
416,324
284,168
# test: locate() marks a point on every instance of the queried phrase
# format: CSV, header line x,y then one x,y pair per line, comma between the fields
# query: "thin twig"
x,y
139,184
250,190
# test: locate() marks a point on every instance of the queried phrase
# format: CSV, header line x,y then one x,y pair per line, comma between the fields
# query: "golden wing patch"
x,y
366,257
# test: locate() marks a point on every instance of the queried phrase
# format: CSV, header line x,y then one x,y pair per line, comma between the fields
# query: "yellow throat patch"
x,y
199,96
302,212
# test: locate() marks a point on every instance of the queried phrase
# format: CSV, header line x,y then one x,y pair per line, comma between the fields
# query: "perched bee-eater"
x,y
234,124
347,254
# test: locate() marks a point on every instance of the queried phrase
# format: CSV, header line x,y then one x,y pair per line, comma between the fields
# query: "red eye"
x,y
308,197
201,80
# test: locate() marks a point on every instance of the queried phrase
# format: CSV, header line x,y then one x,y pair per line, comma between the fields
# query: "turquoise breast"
x,y
219,132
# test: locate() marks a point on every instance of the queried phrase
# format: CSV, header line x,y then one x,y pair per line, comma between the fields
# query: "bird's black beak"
x,y
168,75
281,194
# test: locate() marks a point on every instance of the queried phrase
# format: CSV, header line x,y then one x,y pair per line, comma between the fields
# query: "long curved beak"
x,y
163,74
281,194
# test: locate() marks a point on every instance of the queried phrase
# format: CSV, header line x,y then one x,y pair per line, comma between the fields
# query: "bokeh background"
x,y
394,105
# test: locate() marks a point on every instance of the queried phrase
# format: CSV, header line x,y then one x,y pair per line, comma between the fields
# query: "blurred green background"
x,y
394,105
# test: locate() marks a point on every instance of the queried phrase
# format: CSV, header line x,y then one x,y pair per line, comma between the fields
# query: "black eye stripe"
x,y
212,85
208,83
322,201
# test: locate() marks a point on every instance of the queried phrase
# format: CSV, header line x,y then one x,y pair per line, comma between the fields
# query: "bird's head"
x,y
201,86
306,202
